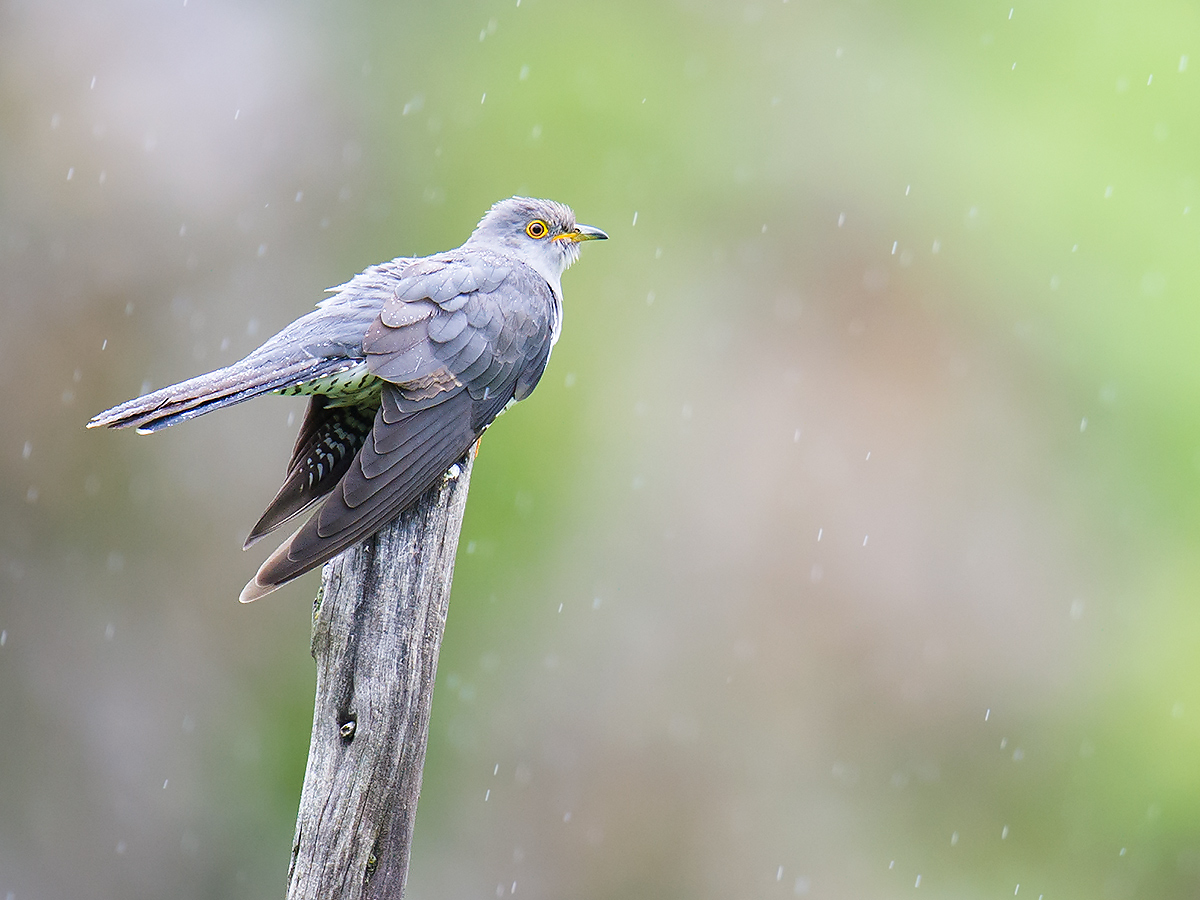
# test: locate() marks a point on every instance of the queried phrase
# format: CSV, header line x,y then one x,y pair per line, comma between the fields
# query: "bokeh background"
x,y
848,548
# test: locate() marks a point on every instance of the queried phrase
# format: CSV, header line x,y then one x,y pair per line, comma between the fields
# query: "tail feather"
x,y
215,390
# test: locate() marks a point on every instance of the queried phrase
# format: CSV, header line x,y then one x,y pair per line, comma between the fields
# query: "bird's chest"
x,y
353,386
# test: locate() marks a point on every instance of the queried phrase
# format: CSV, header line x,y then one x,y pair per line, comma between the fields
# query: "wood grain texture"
x,y
377,629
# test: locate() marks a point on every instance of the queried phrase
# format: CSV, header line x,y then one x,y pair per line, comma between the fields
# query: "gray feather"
x,y
408,363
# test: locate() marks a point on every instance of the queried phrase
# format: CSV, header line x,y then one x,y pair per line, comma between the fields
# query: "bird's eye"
x,y
536,229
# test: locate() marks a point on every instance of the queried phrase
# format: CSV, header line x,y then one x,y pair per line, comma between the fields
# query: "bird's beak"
x,y
583,233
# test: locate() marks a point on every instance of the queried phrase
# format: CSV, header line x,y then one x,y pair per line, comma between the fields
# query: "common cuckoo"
x,y
406,365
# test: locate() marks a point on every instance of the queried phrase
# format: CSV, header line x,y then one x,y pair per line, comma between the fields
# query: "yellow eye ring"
x,y
537,229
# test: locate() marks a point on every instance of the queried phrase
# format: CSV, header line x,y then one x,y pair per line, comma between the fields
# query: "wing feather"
x,y
442,437
446,328
328,441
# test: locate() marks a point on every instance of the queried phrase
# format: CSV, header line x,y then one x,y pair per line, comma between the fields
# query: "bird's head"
x,y
541,233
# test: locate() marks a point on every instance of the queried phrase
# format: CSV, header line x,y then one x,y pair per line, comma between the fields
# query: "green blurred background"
x,y
846,550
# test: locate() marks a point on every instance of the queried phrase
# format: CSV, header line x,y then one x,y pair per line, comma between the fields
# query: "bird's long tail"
x,y
254,375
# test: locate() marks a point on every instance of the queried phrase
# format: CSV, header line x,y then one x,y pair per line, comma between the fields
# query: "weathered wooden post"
x,y
377,629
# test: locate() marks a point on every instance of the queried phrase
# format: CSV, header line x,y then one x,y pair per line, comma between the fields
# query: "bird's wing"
x,y
329,438
454,350
403,455
483,325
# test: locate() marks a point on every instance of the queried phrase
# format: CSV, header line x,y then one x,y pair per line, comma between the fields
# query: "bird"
x,y
405,366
